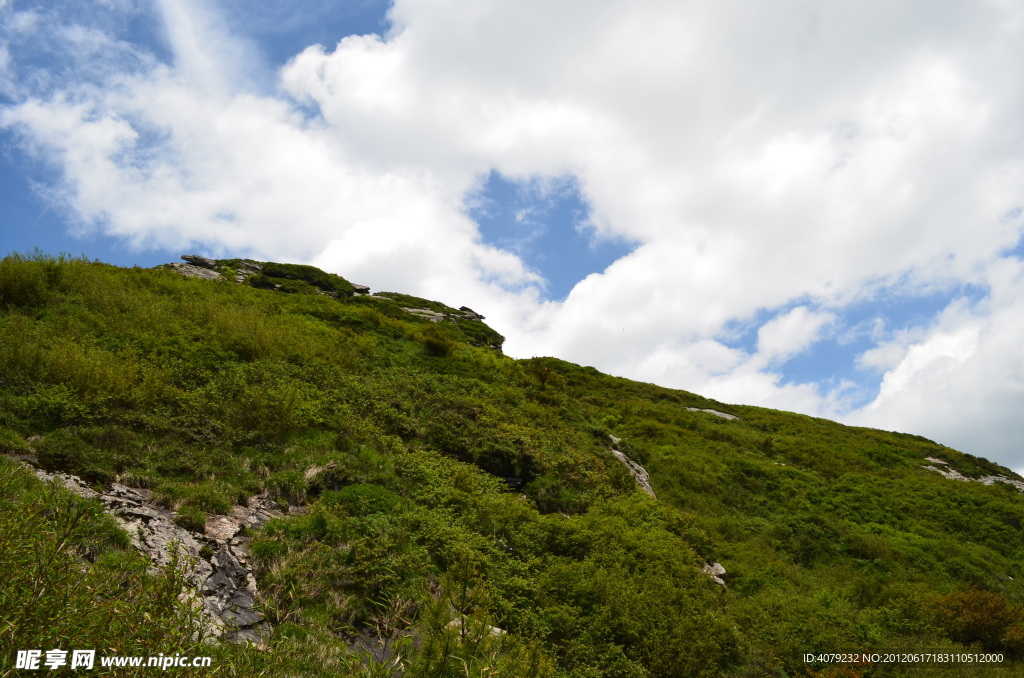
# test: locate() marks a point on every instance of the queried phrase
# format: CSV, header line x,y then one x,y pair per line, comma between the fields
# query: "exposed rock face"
x,y
436,317
425,313
639,473
952,474
989,480
216,562
193,271
245,269
201,262
723,415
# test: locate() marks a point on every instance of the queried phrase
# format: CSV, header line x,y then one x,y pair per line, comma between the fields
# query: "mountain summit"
x,y
363,484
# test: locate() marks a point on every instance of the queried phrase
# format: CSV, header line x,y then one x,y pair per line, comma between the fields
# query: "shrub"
x,y
211,496
27,281
64,450
436,342
363,499
288,485
978,617
191,518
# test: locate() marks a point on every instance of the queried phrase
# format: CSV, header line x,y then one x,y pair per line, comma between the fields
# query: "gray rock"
x,y
714,568
425,313
715,572
952,474
639,473
723,415
246,268
470,314
989,480
224,584
201,262
193,271
360,290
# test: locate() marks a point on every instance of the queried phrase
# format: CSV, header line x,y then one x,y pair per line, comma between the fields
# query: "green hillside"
x,y
465,514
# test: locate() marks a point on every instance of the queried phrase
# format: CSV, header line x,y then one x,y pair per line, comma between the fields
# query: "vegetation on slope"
x,y
453,492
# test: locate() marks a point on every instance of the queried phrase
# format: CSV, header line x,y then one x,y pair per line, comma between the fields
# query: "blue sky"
x,y
775,206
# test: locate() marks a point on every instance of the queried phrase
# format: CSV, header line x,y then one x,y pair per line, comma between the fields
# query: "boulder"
x,y
470,314
715,572
201,262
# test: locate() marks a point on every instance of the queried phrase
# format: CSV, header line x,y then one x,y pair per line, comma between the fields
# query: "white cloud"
x,y
764,156
962,382
790,333
7,83
206,54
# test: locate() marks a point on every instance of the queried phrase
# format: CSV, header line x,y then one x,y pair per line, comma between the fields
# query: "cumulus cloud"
x,y
962,381
787,158
790,333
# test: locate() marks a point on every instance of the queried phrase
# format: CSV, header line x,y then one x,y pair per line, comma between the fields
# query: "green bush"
x,y
29,281
65,450
436,342
211,497
192,518
982,617
363,499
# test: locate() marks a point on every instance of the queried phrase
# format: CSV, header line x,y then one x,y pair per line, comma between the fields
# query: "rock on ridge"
x,y
193,271
199,261
195,266
245,269
437,316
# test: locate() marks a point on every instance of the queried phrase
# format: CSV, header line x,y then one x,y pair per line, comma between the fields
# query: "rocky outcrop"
x,y
193,271
723,415
425,313
201,262
639,473
470,314
950,473
246,269
435,316
991,480
947,471
240,270
215,563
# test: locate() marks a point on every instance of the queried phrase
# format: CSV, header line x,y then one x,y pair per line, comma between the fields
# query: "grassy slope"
x,y
834,538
